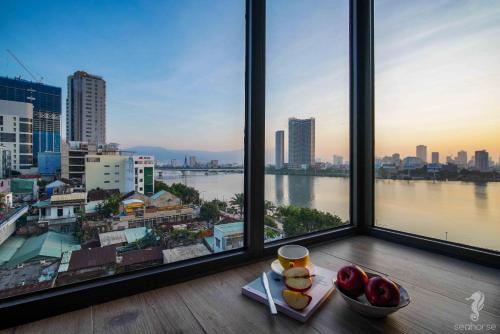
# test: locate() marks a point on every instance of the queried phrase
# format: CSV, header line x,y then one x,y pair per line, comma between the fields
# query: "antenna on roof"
x,y
24,66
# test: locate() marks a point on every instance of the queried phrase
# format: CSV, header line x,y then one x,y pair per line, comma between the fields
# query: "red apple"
x,y
382,292
352,280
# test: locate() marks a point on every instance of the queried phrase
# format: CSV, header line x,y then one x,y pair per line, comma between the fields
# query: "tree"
x,y
110,206
268,221
298,221
238,200
209,211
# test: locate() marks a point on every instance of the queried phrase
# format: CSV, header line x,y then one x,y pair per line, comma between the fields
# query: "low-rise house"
x,y
86,264
24,190
27,278
184,253
45,247
123,237
60,212
228,236
140,258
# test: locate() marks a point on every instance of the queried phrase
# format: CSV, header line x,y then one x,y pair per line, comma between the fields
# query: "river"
x,y
461,212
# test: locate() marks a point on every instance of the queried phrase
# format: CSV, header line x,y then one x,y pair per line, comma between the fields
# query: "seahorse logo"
x,y
477,304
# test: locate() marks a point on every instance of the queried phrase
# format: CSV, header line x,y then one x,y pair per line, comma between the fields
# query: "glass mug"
x,y
293,256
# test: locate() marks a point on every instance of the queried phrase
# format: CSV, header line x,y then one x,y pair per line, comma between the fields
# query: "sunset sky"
x,y
175,69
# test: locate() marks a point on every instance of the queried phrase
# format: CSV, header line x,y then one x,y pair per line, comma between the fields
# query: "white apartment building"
x,y
16,126
144,169
109,172
86,108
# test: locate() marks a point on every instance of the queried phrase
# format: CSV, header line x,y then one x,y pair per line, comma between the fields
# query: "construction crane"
x,y
24,66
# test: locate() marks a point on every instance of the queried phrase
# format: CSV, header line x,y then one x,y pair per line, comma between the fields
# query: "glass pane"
x,y
438,120
150,166
307,117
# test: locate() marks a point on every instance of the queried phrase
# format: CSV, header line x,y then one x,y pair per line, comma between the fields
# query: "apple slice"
x,y
296,300
297,272
297,279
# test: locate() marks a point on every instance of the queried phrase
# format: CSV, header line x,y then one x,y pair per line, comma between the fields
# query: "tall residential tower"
x,y
280,149
301,142
422,153
86,108
46,101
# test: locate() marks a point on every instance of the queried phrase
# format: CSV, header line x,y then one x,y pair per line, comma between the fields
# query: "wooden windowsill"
x,y
438,286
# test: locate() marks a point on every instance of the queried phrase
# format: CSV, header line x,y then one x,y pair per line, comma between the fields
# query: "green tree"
x,y
268,221
110,206
298,221
238,200
210,212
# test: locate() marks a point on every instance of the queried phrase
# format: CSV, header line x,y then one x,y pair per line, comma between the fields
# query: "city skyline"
x,y
306,76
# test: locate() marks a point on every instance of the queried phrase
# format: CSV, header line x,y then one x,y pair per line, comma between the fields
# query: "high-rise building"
x,y
280,149
86,108
16,122
396,159
46,101
301,142
192,162
422,153
338,160
462,159
481,160
5,162
435,157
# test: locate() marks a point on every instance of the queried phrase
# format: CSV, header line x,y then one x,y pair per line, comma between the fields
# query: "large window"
x,y
437,73
307,117
166,82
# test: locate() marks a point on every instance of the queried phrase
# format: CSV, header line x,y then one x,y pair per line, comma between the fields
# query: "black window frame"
x,y
60,299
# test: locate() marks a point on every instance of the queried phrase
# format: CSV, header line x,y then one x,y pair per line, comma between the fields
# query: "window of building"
x,y
307,118
436,120
60,212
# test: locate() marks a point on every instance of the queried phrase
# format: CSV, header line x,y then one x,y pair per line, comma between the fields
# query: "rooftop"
x,y
184,253
92,257
230,228
47,245
140,256
73,197
119,237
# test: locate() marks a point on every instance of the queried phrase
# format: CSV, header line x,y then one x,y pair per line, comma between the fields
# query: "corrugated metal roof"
x,y
134,234
50,244
42,204
10,247
158,194
68,197
118,237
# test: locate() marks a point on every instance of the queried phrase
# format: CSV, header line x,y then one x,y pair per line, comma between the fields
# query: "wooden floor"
x,y
437,285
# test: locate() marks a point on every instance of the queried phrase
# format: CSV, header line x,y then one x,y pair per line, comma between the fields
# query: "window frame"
x,y
60,299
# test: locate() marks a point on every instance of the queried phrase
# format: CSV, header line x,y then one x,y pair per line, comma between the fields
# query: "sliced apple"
x,y
297,272
298,279
296,300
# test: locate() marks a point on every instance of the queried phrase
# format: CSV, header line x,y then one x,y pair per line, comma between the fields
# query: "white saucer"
x,y
278,269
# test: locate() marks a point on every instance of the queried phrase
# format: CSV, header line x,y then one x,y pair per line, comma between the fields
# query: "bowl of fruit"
x,y
369,294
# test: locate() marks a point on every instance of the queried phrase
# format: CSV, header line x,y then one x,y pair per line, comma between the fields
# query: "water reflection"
x,y
280,193
301,190
481,195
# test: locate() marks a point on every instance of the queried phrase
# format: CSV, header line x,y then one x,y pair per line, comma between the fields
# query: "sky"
x,y
175,69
